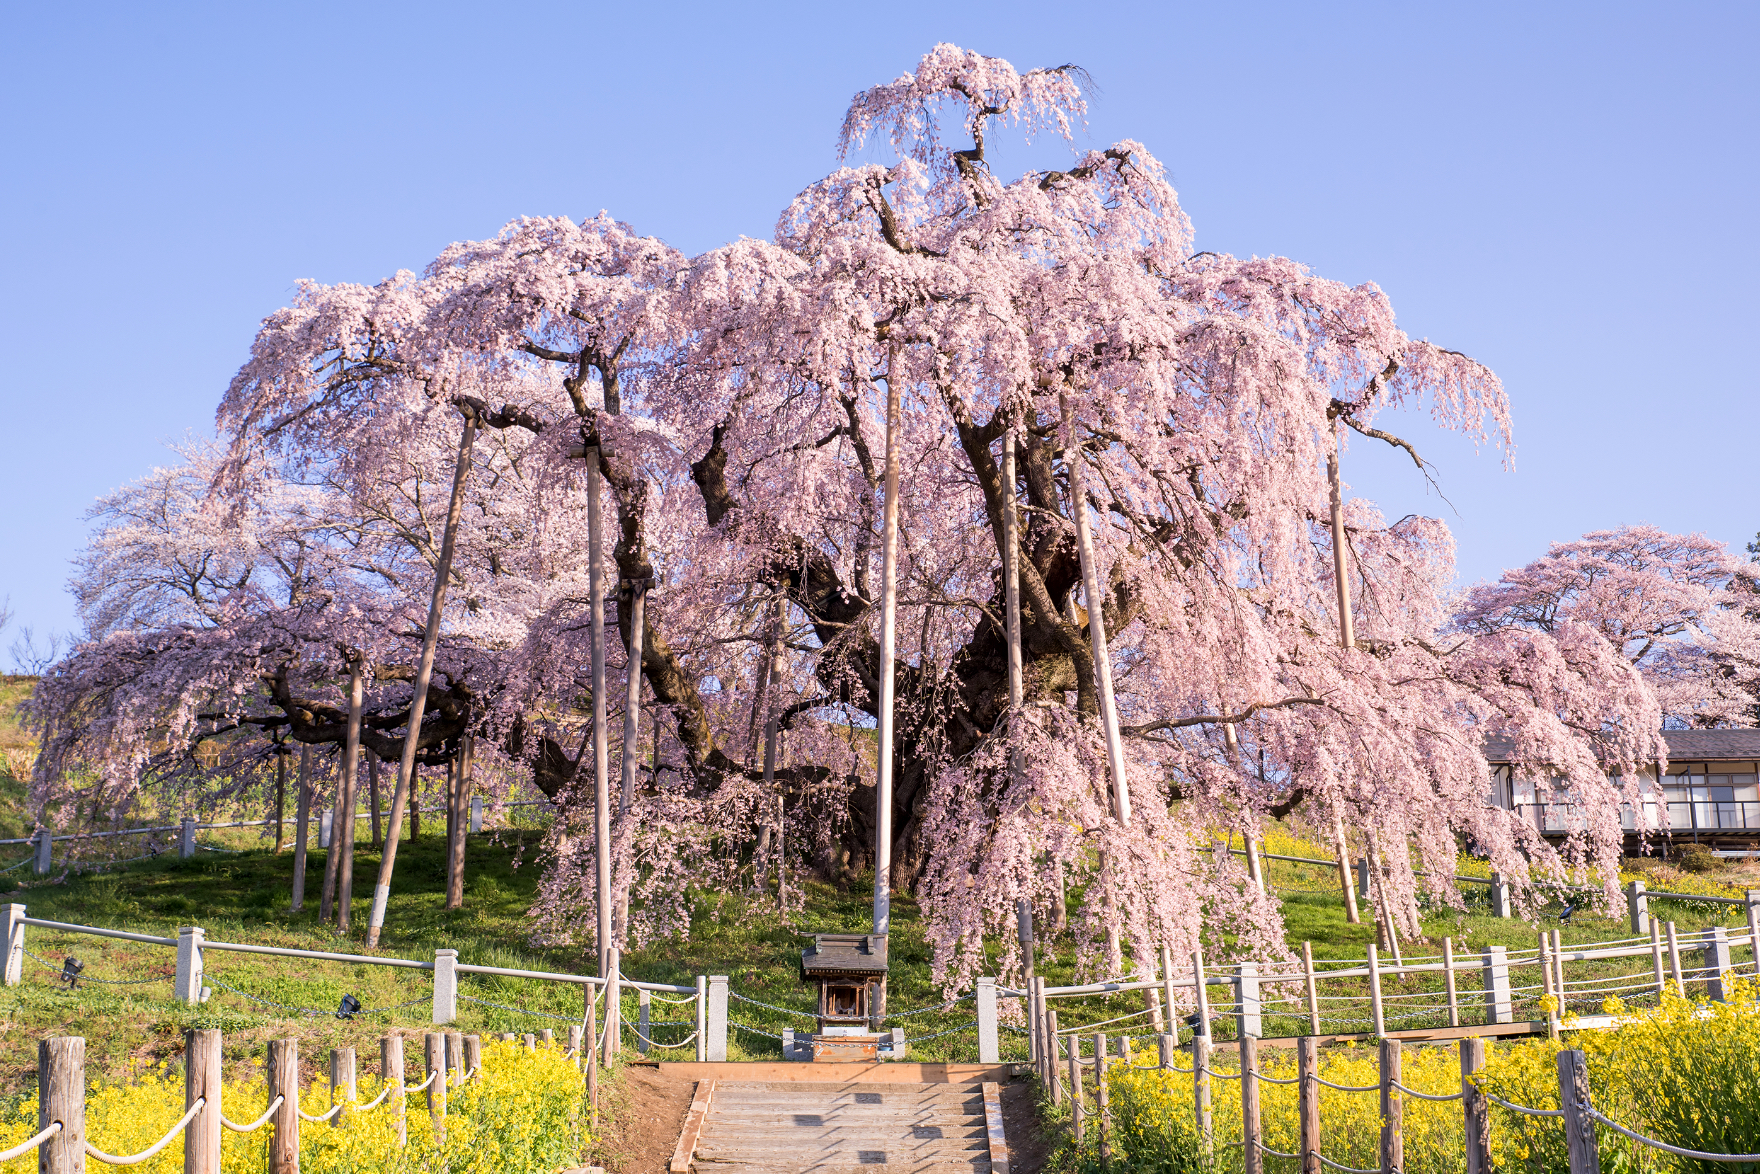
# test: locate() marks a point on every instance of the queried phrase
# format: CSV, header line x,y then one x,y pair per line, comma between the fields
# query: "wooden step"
x,y
842,1166
901,1117
830,1088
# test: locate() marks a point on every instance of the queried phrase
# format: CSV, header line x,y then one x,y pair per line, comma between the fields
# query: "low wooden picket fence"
x,y
450,1058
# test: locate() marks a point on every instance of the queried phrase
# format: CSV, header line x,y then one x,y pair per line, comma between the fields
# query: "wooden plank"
x,y
686,1150
993,1125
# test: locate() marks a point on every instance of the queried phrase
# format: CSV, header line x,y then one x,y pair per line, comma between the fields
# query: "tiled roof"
x,y
858,955
1683,745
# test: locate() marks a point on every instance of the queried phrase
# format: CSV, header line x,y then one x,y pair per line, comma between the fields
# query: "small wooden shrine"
x,y
848,969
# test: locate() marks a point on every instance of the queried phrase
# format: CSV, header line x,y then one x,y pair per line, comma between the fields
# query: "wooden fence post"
x,y
434,1060
590,1048
1476,1108
1075,1087
1051,1043
1375,1009
343,1089
1573,1098
1310,989
1168,1045
391,1072
613,1006
473,1057
284,1083
1308,1101
530,1040
455,1057
1167,987
1393,1143
1558,984
546,1038
1544,960
1102,1106
574,1044
1039,1006
1201,1087
61,1096
201,1078
1454,1005
1252,1133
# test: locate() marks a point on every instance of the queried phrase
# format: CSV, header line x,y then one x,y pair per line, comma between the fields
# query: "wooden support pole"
x,y
1167,990
1309,988
1573,1099
613,1006
1308,1102
1674,961
1393,1145
284,1083
281,753
351,769
1252,1122
546,1038
434,1060
201,1080
1753,910
458,820
1476,1108
1454,1003
302,827
1346,882
636,592
885,719
473,1057
373,800
61,1096
391,1073
1201,1088
1102,1104
1203,991
1558,972
406,769
1375,1006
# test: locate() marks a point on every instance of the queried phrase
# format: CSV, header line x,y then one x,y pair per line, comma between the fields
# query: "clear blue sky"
x,y
1566,192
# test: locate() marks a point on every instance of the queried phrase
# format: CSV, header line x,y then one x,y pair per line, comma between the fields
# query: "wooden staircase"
x,y
856,1127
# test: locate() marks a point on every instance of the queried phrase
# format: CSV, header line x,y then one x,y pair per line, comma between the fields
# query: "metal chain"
x,y
50,966
753,1030
923,1039
771,1007
309,1012
926,1010
523,1010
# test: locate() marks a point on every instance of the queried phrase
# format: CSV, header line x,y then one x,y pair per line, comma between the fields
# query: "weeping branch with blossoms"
x,y
737,398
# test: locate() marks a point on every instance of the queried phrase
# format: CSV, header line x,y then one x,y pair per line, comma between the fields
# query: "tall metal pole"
x,y
418,701
888,636
1078,505
632,715
601,746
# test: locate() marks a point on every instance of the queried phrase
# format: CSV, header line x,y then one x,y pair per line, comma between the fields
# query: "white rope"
x,y
424,1084
305,1116
1274,1080
1342,1166
1663,1145
380,1099
259,1122
1525,1109
25,1147
150,1151
1209,1071
1263,1148
1424,1096
1349,1087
